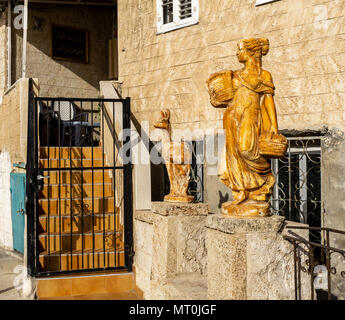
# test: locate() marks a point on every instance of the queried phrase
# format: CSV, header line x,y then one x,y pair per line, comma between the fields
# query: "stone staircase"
x,y
80,228
79,222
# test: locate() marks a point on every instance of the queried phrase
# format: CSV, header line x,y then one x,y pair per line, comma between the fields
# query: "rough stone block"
x,y
248,258
175,209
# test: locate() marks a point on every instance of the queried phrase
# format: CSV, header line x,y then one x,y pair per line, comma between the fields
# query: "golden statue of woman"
x,y
251,130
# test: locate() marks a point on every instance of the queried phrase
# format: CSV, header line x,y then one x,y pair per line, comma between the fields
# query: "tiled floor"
x,y
102,296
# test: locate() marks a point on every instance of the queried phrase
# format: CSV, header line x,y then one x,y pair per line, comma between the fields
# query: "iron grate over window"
x,y
168,11
185,9
297,192
196,182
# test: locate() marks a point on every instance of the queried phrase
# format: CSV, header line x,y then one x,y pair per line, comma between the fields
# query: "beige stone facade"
x,y
306,59
3,53
13,115
64,78
13,149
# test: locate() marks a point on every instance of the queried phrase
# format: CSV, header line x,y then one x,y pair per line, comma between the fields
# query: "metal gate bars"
x,y
79,185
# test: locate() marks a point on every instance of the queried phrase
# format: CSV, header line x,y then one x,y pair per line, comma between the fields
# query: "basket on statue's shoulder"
x,y
220,88
273,146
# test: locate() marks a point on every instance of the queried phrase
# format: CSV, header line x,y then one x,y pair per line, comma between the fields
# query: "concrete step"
x,y
87,176
66,163
73,153
89,205
129,295
184,286
81,287
78,260
57,191
108,239
87,222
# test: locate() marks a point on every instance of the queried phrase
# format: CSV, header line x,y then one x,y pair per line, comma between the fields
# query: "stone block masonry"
x,y
306,59
248,259
183,252
13,147
59,78
170,250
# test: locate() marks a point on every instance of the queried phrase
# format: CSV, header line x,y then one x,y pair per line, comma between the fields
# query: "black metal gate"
x,y
79,185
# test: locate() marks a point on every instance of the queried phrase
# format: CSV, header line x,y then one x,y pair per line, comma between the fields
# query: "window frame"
x,y
177,22
261,2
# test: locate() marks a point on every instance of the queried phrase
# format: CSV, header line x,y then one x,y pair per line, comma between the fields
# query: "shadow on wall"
x,y
222,198
58,77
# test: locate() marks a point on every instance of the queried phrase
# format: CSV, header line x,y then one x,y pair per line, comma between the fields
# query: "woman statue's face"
x,y
242,54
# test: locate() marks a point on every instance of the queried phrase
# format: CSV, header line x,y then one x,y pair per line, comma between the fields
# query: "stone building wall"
x,y
306,59
65,78
13,147
3,53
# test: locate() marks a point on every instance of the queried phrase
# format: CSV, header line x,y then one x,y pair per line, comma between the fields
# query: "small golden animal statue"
x,y
177,158
251,130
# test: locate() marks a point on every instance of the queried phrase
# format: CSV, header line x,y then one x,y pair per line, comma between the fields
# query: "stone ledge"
x,y
235,225
184,286
144,215
175,209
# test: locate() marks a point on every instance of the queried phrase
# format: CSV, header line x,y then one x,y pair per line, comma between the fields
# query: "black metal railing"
x,y
80,192
321,262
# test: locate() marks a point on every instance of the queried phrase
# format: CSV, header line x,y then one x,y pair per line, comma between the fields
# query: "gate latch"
x,y
40,178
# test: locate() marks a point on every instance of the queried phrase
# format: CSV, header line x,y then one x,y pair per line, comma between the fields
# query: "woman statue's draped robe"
x,y
245,120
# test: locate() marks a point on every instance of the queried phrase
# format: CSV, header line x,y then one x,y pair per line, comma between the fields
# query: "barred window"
x,y
168,12
297,192
175,14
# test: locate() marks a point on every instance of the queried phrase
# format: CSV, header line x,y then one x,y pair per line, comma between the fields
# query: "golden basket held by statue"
x,y
273,146
220,88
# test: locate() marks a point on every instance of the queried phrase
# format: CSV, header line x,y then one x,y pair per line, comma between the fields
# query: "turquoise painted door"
x,y
18,210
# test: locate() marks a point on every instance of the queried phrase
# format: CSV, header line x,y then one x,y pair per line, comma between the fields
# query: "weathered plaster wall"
x,y
65,78
306,59
333,195
143,234
13,146
6,240
3,53
169,242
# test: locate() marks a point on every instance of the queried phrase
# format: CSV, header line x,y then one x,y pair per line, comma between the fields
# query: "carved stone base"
x,y
248,259
171,198
248,208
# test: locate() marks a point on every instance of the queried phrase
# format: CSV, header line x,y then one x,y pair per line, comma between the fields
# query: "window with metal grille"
x,y
175,14
297,192
185,9
168,12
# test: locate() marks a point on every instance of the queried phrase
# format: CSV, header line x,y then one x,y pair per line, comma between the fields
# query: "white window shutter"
x,y
159,11
176,8
181,17
195,10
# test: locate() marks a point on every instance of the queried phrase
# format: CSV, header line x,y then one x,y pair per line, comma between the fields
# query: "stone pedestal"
x,y
249,259
172,248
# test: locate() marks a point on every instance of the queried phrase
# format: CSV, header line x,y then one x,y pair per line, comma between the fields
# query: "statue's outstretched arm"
x,y
271,111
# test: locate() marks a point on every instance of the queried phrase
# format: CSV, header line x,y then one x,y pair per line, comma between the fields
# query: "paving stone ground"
x,y
10,263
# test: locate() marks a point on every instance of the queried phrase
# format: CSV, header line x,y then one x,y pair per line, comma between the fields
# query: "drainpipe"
x,y
9,44
25,37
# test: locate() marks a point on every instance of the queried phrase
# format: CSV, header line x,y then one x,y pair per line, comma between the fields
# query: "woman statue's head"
x,y
254,47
